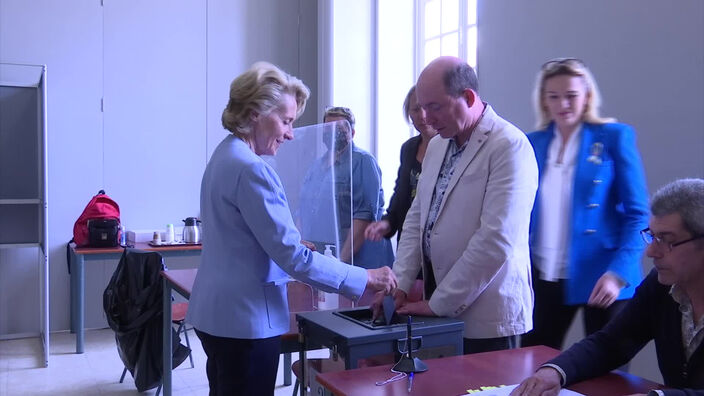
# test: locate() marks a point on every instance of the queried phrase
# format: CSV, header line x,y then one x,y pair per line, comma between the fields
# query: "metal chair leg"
x,y
122,377
295,387
182,329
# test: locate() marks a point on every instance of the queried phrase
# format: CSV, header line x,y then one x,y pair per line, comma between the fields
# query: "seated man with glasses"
x,y
668,306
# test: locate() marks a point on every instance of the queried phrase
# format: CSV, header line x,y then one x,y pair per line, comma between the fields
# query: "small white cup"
x,y
157,238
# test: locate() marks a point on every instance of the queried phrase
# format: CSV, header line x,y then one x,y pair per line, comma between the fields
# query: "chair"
x,y
178,317
301,298
133,302
321,364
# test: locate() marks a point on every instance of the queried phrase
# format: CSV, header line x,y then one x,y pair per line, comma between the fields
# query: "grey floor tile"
x,y
97,371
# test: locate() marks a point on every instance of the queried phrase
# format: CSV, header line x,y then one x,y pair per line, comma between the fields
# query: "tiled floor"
x,y
97,371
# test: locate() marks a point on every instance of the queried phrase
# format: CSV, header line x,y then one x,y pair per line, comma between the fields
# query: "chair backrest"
x,y
300,297
133,306
133,296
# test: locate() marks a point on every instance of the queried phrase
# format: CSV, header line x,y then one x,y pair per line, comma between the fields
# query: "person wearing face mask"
x,y
412,153
366,204
589,209
239,304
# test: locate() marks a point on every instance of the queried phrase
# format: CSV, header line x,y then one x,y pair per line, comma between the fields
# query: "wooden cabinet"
x,y
23,192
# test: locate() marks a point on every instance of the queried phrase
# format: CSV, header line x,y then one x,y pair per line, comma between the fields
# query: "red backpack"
x,y
101,207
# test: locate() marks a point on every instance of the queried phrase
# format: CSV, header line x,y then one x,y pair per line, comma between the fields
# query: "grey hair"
x,y
339,111
459,78
260,90
684,197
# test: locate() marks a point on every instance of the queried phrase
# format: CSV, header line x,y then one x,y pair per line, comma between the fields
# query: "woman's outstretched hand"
x,y
382,279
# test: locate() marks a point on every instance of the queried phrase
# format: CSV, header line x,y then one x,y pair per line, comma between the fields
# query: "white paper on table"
x,y
505,390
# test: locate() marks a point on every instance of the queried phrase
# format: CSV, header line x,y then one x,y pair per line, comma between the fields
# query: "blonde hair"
x,y
567,67
407,105
260,90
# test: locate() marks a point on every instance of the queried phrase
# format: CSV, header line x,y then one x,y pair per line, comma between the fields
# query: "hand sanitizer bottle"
x,y
328,251
327,301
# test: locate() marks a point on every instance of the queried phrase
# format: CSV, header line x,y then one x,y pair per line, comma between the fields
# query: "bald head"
x,y
454,74
447,91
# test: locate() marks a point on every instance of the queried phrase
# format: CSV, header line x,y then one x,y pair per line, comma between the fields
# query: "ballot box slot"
x,y
363,317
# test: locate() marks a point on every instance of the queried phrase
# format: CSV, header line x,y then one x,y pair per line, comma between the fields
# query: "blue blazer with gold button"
x,y
609,207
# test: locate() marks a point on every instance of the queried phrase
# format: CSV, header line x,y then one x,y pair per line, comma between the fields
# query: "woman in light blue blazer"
x,y
590,206
238,305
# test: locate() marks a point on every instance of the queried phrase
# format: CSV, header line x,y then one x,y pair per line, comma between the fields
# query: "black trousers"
x,y
552,317
241,366
477,345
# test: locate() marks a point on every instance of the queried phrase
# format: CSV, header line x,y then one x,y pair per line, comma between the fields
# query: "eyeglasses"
x,y
651,238
553,63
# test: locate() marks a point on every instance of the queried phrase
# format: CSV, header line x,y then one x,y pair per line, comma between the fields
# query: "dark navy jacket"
x,y
651,314
404,190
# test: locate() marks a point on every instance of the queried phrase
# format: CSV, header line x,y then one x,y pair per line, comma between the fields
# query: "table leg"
x,y
72,277
302,356
287,369
79,315
166,348
459,345
352,359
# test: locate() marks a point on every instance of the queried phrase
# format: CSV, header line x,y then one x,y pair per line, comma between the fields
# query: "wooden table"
x,y
455,375
78,278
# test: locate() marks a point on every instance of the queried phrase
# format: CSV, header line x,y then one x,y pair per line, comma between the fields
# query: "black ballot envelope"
x,y
389,308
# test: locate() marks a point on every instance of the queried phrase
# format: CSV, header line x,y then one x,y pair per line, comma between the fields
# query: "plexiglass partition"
x,y
316,171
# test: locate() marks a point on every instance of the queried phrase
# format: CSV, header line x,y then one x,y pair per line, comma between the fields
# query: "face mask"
x,y
341,140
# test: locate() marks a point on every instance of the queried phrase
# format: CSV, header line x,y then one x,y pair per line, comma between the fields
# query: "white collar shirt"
x,y
692,330
551,246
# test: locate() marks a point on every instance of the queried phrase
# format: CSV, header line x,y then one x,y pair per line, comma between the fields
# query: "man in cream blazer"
x,y
468,225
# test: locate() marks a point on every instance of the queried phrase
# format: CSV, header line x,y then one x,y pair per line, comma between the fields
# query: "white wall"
x,y
353,66
647,56
164,69
67,38
395,78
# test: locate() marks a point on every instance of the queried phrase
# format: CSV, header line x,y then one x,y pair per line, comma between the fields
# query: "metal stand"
x,y
408,363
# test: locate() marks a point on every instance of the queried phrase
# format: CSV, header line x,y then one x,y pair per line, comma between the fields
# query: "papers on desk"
x,y
504,390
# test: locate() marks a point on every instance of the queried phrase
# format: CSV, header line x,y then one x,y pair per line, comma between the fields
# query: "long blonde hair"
x,y
567,67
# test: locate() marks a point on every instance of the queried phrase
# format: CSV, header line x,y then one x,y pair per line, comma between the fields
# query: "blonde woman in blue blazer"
x,y
590,206
238,304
